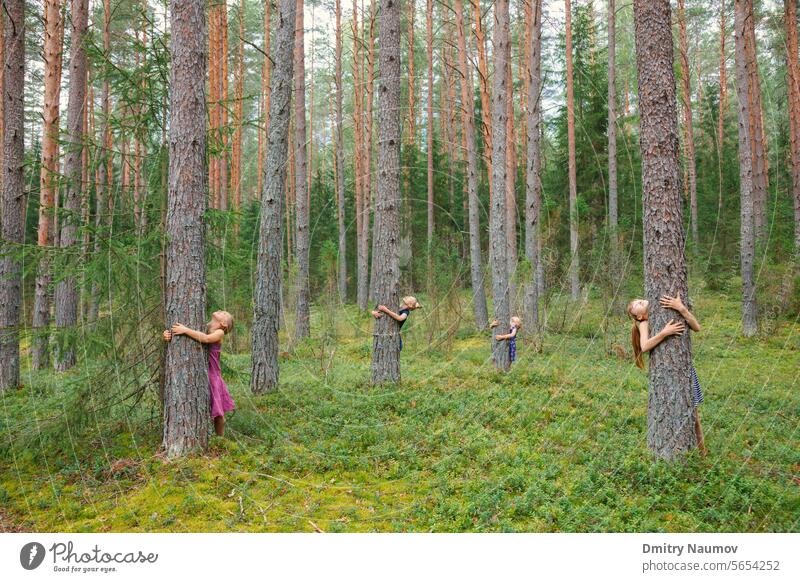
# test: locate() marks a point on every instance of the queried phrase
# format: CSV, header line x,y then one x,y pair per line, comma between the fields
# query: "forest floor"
x,y
558,444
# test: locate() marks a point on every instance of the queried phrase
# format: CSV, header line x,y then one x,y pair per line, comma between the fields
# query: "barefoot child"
x,y
220,324
642,342
511,336
408,305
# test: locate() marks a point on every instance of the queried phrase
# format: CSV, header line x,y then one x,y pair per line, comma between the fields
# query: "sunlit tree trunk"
x,y
386,344
266,315
339,161
742,10
793,81
66,294
533,182
688,126
223,110
186,396
498,242
670,417
302,322
410,137
574,265
12,202
53,43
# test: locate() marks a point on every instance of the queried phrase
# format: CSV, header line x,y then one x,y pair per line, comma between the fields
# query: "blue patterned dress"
x,y
512,345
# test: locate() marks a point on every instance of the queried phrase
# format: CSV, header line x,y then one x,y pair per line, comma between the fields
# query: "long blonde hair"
x,y
225,320
636,337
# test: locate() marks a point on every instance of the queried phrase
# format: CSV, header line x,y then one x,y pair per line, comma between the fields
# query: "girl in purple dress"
x,y
220,324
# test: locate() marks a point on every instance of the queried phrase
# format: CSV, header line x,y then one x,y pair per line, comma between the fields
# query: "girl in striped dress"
x,y
642,342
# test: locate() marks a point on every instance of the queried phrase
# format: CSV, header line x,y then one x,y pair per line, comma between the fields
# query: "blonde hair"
x,y
636,336
225,320
411,301
518,321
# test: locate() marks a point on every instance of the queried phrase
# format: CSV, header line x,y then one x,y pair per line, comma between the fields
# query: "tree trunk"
x,y
362,258
793,81
533,182
670,417
742,10
223,110
266,316
66,294
265,92
723,101
386,345
339,162
411,140
13,190
498,242
613,212
429,122
511,183
483,84
574,265
238,114
186,397
302,322
468,120
687,120
53,43
367,150
757,138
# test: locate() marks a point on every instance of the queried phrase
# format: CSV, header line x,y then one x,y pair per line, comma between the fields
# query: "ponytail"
x,y
636,340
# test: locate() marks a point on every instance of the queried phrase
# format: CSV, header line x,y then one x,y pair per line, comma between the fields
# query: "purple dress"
x,y
221,401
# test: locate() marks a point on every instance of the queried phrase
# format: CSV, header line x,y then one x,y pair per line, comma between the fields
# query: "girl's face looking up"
x,y
638,309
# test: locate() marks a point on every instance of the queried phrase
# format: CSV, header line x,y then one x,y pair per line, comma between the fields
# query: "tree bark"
x,y
688,125
483,84
429,123
793,82
238,114
742,10
468,121
265,92
339,161
362,258
497,216
66,294
266,316
186,397
511,182
670,417
386,344
574,265
613,212
723,102
12,202
367,150
533,182
53,43
303,317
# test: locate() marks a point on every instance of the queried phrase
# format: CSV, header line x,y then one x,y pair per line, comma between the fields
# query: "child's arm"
x,y
648,343
506,336
675,303
167,335
392,314
203,338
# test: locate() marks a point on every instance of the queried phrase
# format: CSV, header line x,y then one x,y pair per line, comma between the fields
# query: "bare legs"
x,y
219,425
698,431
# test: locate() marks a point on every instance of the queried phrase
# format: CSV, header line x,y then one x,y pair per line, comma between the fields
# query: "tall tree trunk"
x,y
13,190
223,95
613,212
793,81
303,320
498,242
186,397
411,139
53,43
670,417
688,126
468,121
266,316
265,92
742,10
483,85
757,137
574,265
339,162
367,150
429,122
386,345
723,102
238,114
362,258
66,295
213,102
511,183
533,182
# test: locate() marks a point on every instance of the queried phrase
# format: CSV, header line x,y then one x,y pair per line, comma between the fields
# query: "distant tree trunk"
x,y
511,182
742,10
613,213
265,91
687,119
339,162
483,85
386,345
574,265
757,137
302,323
66,295
238,114
533,182
367,150
362,258
266,316
53,43
793,81
13,189
411,139
498,242
468,120
670,418
429,123
186,398
723,102
223,110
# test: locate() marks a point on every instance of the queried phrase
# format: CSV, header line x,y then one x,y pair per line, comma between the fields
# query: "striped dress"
x,y
697,392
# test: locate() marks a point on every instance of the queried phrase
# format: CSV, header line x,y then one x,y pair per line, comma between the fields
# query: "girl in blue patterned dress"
x,y
642,342
511,336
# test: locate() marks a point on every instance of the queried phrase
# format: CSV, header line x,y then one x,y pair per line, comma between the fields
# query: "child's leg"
x,y
219,425
698,431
